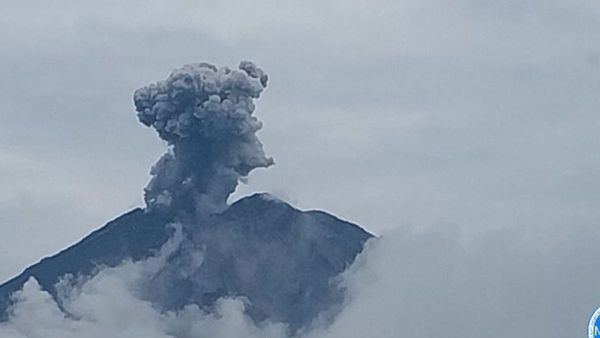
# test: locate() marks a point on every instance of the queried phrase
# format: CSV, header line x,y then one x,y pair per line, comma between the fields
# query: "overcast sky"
x,y
473,113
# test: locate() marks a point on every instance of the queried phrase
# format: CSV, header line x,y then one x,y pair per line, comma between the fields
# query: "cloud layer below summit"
x,y
505,283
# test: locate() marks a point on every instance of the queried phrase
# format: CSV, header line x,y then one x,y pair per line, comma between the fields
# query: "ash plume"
x,y
205,115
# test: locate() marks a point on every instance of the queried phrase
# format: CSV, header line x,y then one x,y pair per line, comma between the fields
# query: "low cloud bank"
x,y
503,283
507,283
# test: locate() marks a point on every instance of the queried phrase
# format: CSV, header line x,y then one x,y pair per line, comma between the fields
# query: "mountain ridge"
x,y
292,256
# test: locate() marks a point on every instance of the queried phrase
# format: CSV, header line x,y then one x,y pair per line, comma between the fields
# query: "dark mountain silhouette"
x,y
281,259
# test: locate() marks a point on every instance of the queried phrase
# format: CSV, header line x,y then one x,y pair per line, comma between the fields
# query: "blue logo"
x,y
594,327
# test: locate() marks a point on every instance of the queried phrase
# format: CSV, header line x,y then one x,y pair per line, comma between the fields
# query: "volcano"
x,y
282,260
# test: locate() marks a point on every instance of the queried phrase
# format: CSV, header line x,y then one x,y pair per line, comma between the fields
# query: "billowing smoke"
x,y
205,115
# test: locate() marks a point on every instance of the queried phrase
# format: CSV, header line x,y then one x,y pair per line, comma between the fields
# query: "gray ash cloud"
x,y
205,114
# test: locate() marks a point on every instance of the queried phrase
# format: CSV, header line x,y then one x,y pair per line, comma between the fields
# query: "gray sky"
x,y
471,113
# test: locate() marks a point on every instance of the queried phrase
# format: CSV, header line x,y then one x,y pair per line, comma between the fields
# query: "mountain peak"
x,y
259,200
261,248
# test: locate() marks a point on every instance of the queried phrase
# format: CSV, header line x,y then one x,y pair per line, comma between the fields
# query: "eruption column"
x,y
205,115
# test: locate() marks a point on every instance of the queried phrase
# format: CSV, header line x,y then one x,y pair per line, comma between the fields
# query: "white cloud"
x,y
509,283
503,283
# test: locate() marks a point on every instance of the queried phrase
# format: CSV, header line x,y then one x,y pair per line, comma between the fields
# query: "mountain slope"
x,y
281,259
